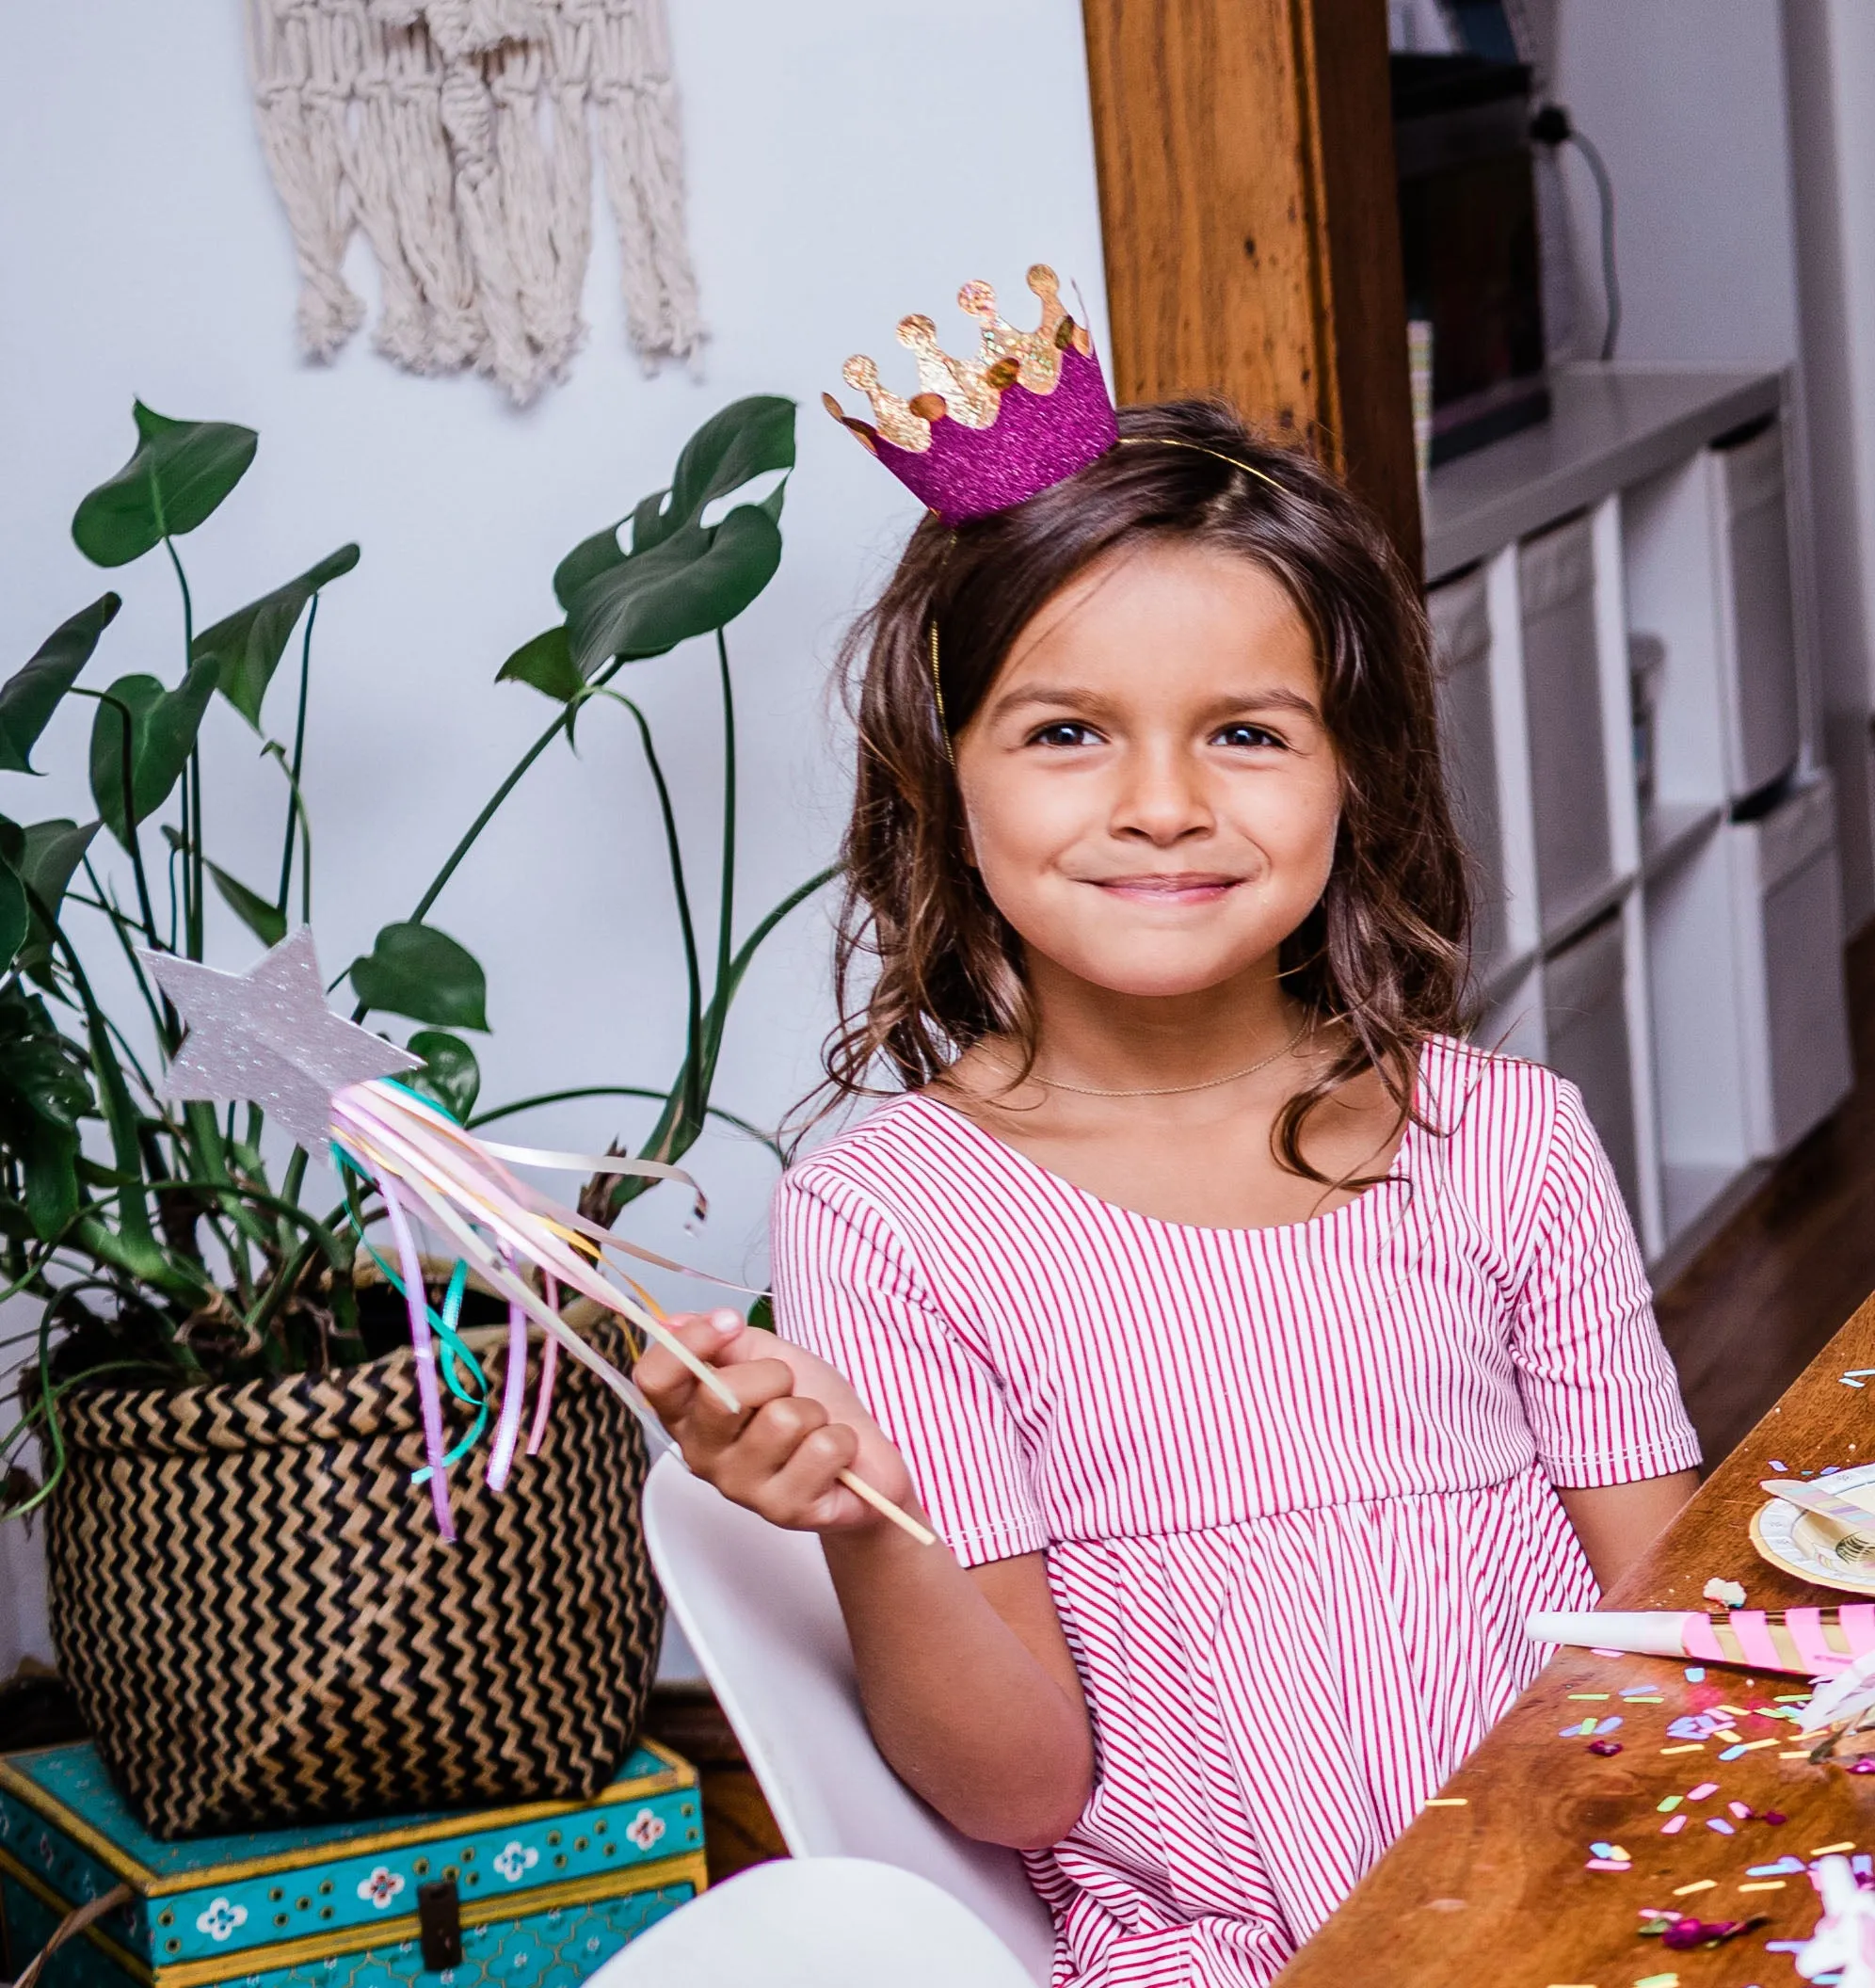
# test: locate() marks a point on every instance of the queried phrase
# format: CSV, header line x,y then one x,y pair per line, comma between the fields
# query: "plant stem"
x,y
694,1018
188,604
726,908
299,755
486,815
194,871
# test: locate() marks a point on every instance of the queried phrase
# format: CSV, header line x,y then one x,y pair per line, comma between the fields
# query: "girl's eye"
x,y
1243,733
1067,731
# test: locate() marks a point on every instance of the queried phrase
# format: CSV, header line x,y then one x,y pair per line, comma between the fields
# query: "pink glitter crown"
x,y
984,433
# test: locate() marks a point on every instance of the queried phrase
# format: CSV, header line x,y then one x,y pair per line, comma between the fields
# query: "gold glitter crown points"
x,y
969,390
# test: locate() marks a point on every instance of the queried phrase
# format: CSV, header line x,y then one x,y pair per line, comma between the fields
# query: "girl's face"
x,y
1150,791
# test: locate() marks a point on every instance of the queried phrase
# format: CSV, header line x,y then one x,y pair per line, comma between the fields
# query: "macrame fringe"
x,y
458,135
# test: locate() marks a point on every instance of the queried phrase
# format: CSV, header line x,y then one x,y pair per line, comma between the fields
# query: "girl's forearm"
x,y
992,1734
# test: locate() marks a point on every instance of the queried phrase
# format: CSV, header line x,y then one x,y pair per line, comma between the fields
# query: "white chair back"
x,y
818,1922
758,1606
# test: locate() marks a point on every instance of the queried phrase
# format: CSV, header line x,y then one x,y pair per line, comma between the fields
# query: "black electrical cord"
x,y
1552,126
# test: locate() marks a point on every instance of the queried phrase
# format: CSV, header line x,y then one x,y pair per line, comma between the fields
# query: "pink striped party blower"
x,y
1803,1642
267,1037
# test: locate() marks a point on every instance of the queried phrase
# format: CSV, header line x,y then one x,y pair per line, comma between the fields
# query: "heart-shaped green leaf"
x,y
163,727
246,646
260,916
50,855
179,473
31,694
546,662
449,1073
692,583
416,970
46,857
587,561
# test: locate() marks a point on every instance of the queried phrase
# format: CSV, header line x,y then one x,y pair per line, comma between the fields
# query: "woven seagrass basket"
x,y
262,1624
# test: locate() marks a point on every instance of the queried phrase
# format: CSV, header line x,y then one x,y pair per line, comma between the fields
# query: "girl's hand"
x,y
798,1426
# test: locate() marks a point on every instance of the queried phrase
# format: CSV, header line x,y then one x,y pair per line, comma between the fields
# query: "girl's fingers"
x,y
664,1380
806,1491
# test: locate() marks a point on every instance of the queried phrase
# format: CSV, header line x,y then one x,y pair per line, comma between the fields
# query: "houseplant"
x,y
246,1598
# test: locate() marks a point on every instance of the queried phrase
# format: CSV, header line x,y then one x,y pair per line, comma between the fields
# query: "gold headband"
x,y
1170,441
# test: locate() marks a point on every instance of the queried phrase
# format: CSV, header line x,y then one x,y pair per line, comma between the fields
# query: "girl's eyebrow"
x,y
1068,698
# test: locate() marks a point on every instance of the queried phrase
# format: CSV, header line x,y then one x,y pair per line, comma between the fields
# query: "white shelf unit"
x,y
1675,952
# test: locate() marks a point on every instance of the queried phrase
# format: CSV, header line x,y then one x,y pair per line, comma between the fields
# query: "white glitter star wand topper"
x,y
267,1037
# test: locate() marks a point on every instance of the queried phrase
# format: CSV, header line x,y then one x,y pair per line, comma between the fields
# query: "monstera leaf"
x,y
178,476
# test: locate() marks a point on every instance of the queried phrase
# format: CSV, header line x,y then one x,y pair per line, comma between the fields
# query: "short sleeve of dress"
x,y
1598,1386
846,1289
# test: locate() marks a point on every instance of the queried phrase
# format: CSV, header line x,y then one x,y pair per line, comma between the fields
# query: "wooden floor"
x,y
1755,1305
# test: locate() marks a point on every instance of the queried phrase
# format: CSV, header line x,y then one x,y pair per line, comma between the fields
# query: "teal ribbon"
x,y
457,1353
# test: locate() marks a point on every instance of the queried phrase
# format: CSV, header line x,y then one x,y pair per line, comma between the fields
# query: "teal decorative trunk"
x,y
533,1897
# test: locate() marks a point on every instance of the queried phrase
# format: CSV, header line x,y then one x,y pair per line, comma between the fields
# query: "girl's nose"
x,y
1163,798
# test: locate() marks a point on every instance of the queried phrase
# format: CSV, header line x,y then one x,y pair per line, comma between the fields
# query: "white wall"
x,y
1684,99
847,162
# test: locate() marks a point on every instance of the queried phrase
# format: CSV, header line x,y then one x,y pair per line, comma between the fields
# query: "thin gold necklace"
x,y
1174,1090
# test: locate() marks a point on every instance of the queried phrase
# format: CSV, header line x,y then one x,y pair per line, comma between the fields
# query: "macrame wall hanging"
x,y
458,135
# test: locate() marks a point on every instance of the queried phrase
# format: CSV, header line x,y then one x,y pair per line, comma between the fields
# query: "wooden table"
x,y
1494,1892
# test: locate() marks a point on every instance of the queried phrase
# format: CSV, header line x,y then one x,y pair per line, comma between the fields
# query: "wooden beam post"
x,y
1251,224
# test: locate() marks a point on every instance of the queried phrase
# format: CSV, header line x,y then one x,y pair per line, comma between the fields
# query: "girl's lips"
x,y
1183,890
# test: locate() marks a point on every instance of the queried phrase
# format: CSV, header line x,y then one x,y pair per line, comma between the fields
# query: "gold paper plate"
x,y
1794,1540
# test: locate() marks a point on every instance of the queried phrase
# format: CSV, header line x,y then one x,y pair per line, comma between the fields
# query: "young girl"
x,y
1262,1352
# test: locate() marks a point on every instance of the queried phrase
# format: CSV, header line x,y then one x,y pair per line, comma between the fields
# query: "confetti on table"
x,y
1764,1884
1700,1793
1658,1981
1615,1864
1609,1849
1832,1849
1727,1593
1581,1730
1588,1694
1746,1746
1784,1867
1848,1381
1856,1373
1449,1802
1697,1673
1720,1823
1670,1803
1776,1466
1674,1826
1693,1746
1610,1724
1684,1891
1594,1651
1739,1810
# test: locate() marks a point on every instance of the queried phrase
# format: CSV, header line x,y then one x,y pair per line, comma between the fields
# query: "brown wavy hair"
x,y
925,965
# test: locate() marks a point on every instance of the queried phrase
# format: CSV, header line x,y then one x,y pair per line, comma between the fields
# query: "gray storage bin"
x,y
1462,649
1562,695
1585,998
1796,882
1758,658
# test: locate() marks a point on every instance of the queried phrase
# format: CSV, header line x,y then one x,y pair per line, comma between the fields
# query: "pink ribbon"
x,y
428,1392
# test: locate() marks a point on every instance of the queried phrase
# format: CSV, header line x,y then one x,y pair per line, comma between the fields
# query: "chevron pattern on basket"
x,y
261,1625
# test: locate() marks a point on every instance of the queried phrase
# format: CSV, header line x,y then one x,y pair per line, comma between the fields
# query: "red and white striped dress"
x,y
1294,1484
